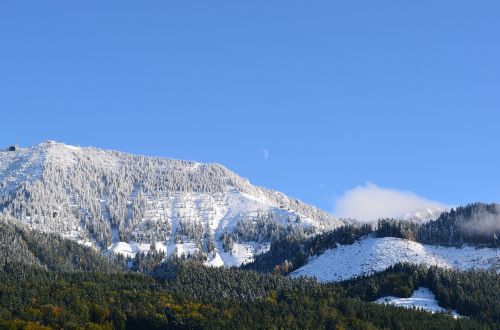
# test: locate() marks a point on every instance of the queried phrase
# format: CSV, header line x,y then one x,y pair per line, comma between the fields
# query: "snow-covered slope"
x,y
422,298
371,255
125,203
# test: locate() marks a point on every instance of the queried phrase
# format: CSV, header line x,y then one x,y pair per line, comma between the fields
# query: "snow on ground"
x,y
129,249
186,249
242,253
422,298
214,260
73,235
371,255
161,247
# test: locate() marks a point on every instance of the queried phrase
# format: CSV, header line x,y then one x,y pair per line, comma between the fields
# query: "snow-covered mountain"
x,y
126,203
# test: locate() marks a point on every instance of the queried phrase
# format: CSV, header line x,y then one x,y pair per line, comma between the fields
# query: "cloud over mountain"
x,y
371,202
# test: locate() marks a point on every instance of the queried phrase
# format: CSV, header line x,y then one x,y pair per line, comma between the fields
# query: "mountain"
x,y
126,203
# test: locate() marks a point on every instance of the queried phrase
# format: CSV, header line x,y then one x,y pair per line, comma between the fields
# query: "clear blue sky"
x,y
404,94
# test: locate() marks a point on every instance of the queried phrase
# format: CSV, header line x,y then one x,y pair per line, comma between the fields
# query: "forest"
x,y
188,295
476,224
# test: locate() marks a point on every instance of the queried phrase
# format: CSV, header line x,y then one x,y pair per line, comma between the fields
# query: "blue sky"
x,y
310,98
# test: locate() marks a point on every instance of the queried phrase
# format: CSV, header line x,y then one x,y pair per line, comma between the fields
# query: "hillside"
x,y
372,254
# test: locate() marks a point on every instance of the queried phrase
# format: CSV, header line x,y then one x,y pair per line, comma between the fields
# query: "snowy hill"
x,y
127,203
371,255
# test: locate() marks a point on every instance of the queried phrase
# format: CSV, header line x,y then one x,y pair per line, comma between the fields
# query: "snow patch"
x,y
243,253
129,249
422,299
186,249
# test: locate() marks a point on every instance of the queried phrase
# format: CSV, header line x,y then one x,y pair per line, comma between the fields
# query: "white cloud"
x,y
265,154
371,202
